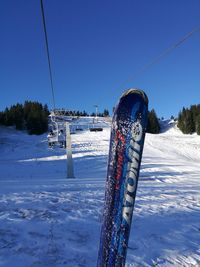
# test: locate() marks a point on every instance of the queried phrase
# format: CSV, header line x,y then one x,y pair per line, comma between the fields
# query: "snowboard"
x,y
126,145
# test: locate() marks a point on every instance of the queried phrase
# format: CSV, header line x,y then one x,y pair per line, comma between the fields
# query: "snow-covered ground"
x,y
49,220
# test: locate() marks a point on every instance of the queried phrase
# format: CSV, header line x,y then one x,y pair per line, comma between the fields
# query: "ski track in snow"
x,y
48,220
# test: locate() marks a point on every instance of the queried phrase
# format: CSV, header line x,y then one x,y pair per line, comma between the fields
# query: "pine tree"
x,y
19,117
186,120
8,117
2,118
153,123
105,113
46,110
32,116
198,124
85,113
189,122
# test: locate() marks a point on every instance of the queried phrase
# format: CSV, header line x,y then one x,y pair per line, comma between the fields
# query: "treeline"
x,y
78,113
153,125
189,120
30,116
33,117
105,113
74,113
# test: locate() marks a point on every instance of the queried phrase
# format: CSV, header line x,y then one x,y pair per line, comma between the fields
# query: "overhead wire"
x,y
48,54
163,54
136,74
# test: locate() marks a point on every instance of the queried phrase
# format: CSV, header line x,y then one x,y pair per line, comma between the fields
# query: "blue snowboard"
x,y
126,146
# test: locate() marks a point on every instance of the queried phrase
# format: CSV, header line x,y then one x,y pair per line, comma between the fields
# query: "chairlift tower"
x,y
60,135
96,110
70,167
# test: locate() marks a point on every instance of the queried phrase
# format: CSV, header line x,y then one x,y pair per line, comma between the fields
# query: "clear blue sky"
x,y
96,46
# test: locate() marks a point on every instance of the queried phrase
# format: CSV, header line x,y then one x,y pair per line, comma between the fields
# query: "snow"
x,y
49,220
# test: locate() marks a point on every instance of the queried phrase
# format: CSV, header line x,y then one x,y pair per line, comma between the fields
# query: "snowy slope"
x,y
48,220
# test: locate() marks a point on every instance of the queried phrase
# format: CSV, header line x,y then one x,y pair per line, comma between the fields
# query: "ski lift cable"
x,y
163,54
48,54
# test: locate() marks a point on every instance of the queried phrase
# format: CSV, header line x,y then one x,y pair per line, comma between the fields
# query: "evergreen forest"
x,y
30,116
153,125
189,120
